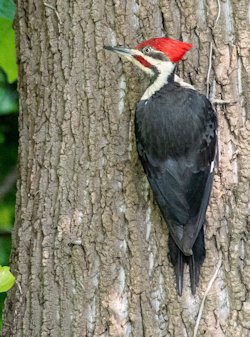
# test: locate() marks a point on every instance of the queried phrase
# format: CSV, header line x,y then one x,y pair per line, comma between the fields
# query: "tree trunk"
x,y
89,245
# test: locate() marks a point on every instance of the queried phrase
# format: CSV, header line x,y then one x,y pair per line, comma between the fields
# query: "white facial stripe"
x,y
153,61
140,65
165,69
137,63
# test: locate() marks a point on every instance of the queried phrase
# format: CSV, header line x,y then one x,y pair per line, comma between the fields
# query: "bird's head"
x,y
154,56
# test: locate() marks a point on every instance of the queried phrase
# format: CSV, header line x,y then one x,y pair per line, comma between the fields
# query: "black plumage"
x,y
176,142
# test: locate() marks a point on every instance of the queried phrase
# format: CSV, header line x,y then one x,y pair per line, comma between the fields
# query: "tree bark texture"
x,y
89,245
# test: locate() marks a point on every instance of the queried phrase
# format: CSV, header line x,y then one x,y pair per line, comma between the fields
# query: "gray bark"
x,y
89,245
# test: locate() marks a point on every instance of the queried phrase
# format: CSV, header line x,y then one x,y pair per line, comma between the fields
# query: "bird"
x,y
176,140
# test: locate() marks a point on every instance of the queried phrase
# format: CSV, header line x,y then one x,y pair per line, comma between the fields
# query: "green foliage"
x,y
8,139
8,97
7,49
8,155
7,9
7,279
5,244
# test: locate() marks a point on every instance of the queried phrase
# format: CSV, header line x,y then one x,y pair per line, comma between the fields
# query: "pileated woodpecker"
x,y
175,128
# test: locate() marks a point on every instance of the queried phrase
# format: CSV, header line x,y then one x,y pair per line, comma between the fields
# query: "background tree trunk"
x,y
89,245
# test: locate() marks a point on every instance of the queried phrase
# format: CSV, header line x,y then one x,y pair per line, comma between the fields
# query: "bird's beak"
x,y
120,51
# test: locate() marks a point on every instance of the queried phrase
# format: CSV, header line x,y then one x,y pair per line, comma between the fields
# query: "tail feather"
x,y
193,274
179,271
178,259
196,260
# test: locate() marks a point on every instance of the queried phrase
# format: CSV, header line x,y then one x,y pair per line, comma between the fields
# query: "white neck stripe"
x,y
165,69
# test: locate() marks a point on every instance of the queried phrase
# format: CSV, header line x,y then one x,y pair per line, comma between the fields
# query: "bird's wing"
x,y
182,187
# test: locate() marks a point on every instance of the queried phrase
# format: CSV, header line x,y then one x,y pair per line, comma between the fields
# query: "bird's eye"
x,y
147,50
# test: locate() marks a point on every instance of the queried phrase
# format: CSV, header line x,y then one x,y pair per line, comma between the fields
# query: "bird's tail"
x,y
178,259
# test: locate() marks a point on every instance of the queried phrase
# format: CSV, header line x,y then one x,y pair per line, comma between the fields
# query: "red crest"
x,y
173,49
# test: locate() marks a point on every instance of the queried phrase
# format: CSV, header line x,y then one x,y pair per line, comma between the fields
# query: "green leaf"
x,y
7,49
8,96
7,9
8,102
7,279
